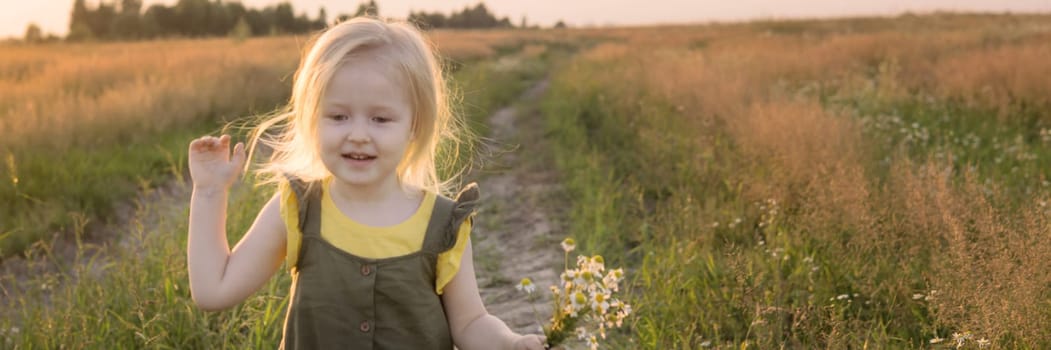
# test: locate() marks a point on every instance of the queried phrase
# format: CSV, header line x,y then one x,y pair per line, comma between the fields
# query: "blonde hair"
x,y
295,144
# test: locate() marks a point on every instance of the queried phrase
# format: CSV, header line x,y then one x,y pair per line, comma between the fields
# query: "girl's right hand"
x,y
211,165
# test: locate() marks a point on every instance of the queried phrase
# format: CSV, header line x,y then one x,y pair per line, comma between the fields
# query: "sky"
x,y
53,15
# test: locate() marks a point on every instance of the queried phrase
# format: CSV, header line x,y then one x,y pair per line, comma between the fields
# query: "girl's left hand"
x,y
529,342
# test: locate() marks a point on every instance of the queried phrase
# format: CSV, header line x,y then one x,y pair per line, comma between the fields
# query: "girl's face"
x,y
366,124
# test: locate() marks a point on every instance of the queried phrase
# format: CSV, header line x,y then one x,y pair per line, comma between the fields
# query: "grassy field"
x,y
132,292
855,183
85,125
841,184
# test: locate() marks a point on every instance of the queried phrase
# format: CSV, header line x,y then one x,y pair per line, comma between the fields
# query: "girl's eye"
x,y
380,119
338,117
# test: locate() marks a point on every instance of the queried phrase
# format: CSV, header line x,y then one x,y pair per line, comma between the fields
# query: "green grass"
x,y
140,297
54,187
614,180
1001,146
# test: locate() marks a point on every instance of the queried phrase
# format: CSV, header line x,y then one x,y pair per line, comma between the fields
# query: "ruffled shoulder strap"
x,y
305,193
447,216
307,197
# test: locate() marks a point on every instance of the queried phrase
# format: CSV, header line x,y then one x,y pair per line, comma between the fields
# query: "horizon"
x,y
52,16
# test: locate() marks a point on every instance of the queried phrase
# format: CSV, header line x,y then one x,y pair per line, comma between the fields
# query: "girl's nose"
x,y
358,134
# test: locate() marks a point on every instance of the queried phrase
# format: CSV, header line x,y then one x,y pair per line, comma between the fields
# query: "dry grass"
x,y
79,95
904,245
733,163
116,102
59,94
985,273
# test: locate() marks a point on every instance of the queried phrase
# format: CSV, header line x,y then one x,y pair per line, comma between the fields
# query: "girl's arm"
x,y
472,326
219,279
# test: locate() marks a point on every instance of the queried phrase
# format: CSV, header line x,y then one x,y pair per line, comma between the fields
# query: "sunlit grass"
x,y
134,293
817,185
84,123
809,184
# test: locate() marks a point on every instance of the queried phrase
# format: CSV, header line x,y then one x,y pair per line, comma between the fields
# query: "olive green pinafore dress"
x,y
342,301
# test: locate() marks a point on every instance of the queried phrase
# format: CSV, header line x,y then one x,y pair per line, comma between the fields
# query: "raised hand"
x,y
211,165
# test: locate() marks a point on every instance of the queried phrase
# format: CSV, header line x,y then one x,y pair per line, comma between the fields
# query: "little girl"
x,y
378,258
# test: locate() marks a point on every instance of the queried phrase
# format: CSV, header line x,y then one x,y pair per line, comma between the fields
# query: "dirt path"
x,y
518,230
61,260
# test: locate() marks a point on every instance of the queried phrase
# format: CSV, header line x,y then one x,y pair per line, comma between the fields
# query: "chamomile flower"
x,y
570,275
584,278
961,338
592,342
526,285
582,333
578,300
569,244
583,302
600,302
598,264
612,279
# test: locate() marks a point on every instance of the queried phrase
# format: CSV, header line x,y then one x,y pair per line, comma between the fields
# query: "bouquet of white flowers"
x,y
584,305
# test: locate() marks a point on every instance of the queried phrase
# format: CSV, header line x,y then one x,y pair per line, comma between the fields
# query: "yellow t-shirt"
x,y
371,241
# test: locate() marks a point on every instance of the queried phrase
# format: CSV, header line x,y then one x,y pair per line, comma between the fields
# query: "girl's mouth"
x,y
358,156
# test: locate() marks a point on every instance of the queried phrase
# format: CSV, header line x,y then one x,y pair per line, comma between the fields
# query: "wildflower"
x,y
585,299
569,244
584,278
569,310
842,296
706,343
937,340
600,302
570,275
578,300
581,333
983,343
583,263
598,264
961,338
620,316
918,296
592,342
526,285
612,279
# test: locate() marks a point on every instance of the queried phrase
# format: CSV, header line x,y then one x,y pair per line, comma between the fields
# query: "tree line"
x,y
127,20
